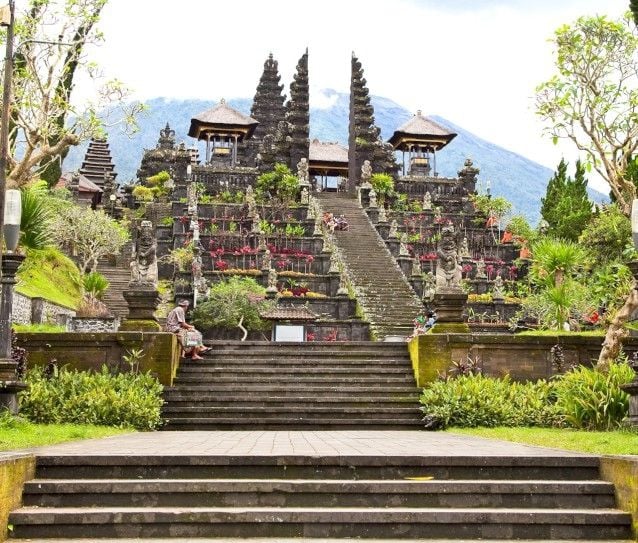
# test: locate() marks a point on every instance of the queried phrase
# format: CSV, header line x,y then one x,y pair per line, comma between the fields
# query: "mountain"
x,y
520,180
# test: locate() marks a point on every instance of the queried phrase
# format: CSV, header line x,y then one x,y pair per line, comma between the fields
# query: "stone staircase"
x,y
117,271
179,497
265,385
387,299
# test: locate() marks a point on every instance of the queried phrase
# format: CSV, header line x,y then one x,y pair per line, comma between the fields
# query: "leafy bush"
x,y
280,183
591,399
95,284
383,185
142,193
35,232
124,399
231,300
476,400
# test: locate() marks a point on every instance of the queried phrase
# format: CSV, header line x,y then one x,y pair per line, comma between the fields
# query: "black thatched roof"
x,y
420,129
224,119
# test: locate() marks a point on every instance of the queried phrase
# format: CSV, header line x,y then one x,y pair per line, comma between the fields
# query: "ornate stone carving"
x,y
343,284
448,267
464,249
382,215
255,227
427,201
251,202
166,138
403,247
416,267
272,281
498,288
480,270
304,196
394,230
144,263
266,260
302,171
334,263
373,199
429,287
191,197
366,175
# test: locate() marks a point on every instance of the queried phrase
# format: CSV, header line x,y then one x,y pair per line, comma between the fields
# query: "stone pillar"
x,y
37,310
142,304
450,304
9,384
405,263
632,388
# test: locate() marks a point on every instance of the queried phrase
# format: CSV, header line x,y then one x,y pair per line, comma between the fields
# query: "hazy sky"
x,y
474,62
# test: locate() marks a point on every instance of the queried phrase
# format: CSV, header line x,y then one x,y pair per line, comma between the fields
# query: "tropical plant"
x,y
95,285
89,234
383,185
63,395
35,227
143,194
280,183
235,302
607,236
554,261
181,257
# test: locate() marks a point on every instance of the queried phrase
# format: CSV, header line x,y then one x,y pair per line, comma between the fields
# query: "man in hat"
x,y
186,333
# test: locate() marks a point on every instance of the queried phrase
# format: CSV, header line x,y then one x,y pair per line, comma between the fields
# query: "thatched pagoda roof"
x,y
421,131
222,120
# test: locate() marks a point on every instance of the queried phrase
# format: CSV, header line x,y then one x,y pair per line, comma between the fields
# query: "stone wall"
x,y
521,357
85,351
38,310
15,470
622,471
93,324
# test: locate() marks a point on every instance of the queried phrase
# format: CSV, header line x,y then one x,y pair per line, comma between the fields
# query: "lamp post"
x,y
9,383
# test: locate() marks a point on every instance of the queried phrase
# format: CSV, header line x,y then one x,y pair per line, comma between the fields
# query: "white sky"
x,y
474,62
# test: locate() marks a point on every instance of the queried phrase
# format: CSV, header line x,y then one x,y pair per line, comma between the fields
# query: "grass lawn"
x,y
19,434
616,442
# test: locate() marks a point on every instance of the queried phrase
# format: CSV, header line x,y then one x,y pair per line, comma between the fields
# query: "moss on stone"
x,y
622,471
140,325
14,471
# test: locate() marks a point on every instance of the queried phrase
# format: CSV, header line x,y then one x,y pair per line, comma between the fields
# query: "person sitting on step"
x,y
189,338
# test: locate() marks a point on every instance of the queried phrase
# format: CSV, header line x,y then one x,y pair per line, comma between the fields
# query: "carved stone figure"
x,y
382,215
498,288
251,202
199,282
272,281
343,284
429,287
394,227
266,260
416,267
373,198
334,263
366,175
304,196
261,242
255,228
427,201
464,249
191,197
480,269
403,247
448,267
144,263
302,171
437,214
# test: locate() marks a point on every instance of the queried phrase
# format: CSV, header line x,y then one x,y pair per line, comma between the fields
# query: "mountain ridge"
x,y
520,180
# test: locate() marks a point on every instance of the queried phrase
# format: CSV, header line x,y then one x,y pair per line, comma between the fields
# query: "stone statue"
x,y
255,228
261,242
373,198
448,267
464,250
266,260
317,230
334,263
144,263
272,281
427,201
429,287
366,175
191,197
302,172
403,247
343,284
199,282
437,214
251,202
480,269
498,288
304,196
416,267
394,227
382,215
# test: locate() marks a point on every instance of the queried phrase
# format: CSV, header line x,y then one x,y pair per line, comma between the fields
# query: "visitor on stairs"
x,y
189,338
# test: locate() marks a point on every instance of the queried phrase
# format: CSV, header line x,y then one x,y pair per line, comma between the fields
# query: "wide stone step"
x,y
313,540
327,493
327,522
180,400
255,370
335,380
291,412
179,465
291,389
286,363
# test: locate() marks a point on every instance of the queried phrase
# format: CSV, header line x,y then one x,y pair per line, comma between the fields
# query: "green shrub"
x,y
476,400
229,301
102,398
95,285
591,399
280,183
383,185
142,193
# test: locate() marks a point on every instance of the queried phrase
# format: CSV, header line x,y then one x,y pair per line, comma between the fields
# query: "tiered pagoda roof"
x,y
222,120
97,162
421,131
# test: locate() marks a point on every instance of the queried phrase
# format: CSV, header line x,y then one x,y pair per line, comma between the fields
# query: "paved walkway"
x,y
302,443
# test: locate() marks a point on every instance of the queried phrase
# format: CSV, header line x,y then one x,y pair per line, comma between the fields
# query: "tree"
x,y
593,99
280,184
51,37
566,206
88,234
607,236
593,102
